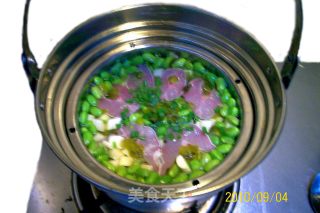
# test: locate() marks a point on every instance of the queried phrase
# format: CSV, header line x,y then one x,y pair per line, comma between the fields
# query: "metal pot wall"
x,y
100,40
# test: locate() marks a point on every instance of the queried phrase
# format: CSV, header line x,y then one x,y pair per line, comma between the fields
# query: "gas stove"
x,y
279,184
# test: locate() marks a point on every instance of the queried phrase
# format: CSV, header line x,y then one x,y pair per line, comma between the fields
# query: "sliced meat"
x,y
173,82
159,157
203,104
198,138
115,106
135,80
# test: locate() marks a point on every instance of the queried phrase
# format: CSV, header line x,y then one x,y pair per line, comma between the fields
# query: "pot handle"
x,y
28,60
288,69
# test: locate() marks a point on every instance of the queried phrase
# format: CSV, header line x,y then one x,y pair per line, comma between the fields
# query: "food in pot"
x,y
159,117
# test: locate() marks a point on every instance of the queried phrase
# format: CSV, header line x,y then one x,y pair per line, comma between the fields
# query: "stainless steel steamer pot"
x,y
101,39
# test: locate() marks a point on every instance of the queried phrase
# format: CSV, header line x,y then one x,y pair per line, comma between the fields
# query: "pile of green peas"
x,y
223,134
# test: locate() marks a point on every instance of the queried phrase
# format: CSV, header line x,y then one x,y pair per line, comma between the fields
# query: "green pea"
x,y
199,67
149,57
232,131
174,170
211,78
196,174
131,69
221,84
134,168
116,68
121,171
127,63
162,130
97,80
105,75
141,179
216,155
83,129
131,177
205,158
152,178
232,102
189,73
134,117
93,148
83,117
188,65
179,63
106,86
184,55
103,157
214,139
158,62
211,164
182,177
85,106
234,111
233,120
219,125
95,111
143,172
225,96
165,179
184,112
223,110
225,139
137,60
167,61
91,127
92,100
87,138
108,165
224,148
195,165
96,92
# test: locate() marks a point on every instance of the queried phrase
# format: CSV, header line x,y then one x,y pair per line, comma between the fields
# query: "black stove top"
x,y
286,172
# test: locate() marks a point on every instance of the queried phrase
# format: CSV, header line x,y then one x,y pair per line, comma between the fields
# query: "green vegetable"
x,y
225,139
131,177
108,165
199,67
234,111
92,100
182,177
232,131
95,111
149,57
137,60
121,171
211,164
205,158
85,106
134,168
106,86
167,61
165,179
87,138
97,80
105,75
214,139
196,174
221,84
152,178
173,171
195,165
224,148
179,63
215,154
91,127
83,117
231,102
233,120
223,110
143,172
